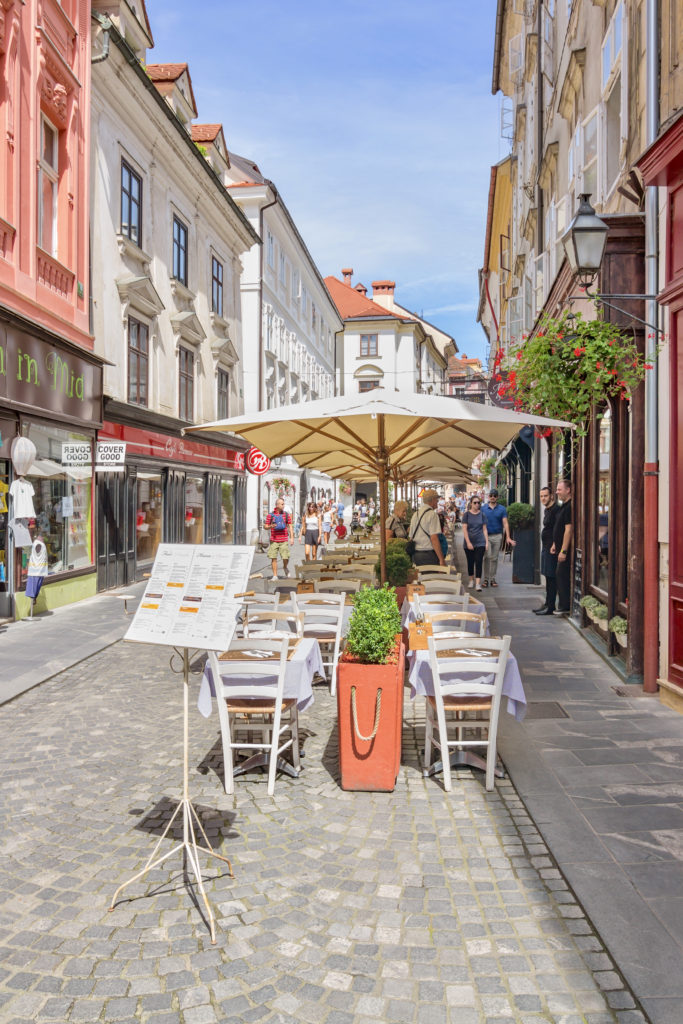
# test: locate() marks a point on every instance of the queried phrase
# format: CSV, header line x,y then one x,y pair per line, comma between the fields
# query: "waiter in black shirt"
x,y
562,546
548,559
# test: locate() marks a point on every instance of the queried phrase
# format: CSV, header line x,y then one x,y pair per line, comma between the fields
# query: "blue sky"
x,y
375,121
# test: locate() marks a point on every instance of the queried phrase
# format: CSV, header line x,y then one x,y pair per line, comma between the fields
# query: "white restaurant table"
x,y
302,668
408,613
422,682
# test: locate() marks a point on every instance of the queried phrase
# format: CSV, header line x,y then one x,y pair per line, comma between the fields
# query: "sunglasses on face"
x,y
476,503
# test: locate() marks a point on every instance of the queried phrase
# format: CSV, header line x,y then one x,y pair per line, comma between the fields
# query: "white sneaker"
x,y
471,584
288,574
478,586
274,579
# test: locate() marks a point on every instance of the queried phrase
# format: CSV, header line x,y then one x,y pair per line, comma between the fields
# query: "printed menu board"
x,y
190,598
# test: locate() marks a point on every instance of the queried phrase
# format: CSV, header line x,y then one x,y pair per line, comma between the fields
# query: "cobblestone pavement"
x,y
346,908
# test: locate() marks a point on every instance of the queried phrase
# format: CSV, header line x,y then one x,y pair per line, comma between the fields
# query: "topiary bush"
x,y
375,621
399,564
520,515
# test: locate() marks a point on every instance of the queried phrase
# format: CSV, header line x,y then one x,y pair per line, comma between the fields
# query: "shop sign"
x,y
256,462
110,454
76,453
47,376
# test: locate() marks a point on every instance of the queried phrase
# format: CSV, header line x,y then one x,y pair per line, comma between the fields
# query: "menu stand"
x,y
189,842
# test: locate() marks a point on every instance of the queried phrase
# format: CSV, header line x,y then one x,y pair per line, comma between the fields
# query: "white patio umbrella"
x,y
379,432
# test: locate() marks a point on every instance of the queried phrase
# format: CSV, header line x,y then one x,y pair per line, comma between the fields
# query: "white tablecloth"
x,y
304,665
476,607
422,682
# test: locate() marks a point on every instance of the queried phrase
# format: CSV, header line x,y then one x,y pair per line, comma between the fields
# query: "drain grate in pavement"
x,y
545,709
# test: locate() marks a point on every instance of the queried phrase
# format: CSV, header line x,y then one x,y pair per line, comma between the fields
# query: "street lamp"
x,y
584,242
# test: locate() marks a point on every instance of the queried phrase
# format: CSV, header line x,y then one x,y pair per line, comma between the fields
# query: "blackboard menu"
x,y
578,583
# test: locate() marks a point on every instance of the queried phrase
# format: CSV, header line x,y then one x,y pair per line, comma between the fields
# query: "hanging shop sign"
x,y
256,462
76,453
110,455
47,376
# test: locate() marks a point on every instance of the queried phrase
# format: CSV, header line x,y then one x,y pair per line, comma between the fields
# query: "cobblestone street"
x,y
346,908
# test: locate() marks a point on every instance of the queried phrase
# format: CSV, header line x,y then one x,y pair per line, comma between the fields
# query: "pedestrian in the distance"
x,y
327,523
311,528
548,558
281,536
475,541
395,524
498,529
424,530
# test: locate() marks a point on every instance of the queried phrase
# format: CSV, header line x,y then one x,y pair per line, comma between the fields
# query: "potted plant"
x,y
370,693
521,518
601,614
400,570
619,626
589,604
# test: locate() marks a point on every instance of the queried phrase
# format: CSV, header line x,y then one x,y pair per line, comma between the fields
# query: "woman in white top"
x,y
328,523
311,529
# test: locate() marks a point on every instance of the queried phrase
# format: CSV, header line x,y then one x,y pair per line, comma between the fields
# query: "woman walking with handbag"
x,y
311,528
476,541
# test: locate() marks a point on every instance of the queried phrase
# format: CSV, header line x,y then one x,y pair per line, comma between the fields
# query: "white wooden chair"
x,y
478,696
323,620
345,586
442,585
436,570
435,601
457,620
256,702
365,573
279,623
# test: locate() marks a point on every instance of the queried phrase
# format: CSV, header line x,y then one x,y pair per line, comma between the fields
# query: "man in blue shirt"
x,y
498,528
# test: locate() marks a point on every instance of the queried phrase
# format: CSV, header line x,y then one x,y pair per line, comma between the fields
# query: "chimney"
x,y
383,288
347,274
361,289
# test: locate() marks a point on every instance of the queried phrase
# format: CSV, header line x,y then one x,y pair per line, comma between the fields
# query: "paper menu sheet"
x,y
189,599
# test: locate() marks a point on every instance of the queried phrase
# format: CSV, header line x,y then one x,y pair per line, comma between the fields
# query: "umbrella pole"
x,y
383,504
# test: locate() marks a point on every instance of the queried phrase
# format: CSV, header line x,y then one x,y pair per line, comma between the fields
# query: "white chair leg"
x,y
443,745
294,726
273,756
429,730
228,766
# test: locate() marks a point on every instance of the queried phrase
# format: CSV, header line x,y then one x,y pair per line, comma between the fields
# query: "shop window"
x,y
48,186
185,384
194,510
179,251
131,204
227,512
148,525
368,344
138,362
216,286
223,395
62,496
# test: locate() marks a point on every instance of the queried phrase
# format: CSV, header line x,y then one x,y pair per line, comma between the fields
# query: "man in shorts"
x,y
281,536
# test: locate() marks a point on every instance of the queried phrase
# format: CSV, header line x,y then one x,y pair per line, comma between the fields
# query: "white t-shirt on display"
x,y
21,493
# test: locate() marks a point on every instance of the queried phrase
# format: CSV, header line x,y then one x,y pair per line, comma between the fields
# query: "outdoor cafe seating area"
x,y
289,642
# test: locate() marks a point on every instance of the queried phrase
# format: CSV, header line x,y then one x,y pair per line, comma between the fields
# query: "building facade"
x,y
572,79
292,325
50,377
166,303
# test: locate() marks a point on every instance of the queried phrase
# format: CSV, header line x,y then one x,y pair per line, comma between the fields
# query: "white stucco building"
x,y
166,305
384,345
291,325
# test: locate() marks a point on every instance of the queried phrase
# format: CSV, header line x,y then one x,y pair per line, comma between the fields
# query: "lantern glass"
x,y
585,240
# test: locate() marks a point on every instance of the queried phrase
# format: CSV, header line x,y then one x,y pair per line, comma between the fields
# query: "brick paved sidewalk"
x,y
346,908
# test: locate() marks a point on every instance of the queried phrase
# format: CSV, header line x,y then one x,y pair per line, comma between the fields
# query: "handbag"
x,y
411,547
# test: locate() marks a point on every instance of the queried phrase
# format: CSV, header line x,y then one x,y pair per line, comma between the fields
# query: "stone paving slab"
x,y
346,908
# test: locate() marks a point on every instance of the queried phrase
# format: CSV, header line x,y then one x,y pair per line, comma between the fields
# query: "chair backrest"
x,y
261,600
264,663
356,571
457,620
467,672
281,620
326,609
452,601
442,585
436,570
345,586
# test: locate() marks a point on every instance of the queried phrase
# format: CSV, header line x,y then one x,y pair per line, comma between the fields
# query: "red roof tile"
x,y
165,72
206,132
351,304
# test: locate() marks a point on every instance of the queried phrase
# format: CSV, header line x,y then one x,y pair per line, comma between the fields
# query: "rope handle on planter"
x,y
354,714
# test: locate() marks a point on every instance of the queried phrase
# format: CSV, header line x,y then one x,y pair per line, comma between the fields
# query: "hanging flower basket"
x,y
571,366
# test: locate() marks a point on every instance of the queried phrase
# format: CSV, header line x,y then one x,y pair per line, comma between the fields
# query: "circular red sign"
x,y
256,462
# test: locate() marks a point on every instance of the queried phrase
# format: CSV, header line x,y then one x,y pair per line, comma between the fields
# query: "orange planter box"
x,y
370,764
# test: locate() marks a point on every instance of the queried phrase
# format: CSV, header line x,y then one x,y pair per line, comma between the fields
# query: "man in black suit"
x,y
563,547
548,560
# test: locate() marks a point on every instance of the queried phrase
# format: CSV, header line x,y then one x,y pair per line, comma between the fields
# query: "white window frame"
x,y
51,172
283,268
270,249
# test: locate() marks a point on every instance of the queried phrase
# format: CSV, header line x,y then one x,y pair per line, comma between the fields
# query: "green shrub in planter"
x,y
589,602
375,621
520,515
618,625
601,612
399,564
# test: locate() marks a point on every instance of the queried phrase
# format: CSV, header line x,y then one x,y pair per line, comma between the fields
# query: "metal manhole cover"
x,y
545,709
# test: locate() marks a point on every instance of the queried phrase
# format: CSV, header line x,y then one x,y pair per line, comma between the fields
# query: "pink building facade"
x,y
50,380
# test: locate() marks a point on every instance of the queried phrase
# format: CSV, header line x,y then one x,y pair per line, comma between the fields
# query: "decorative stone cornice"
x,y
571,84
130,249
7,16
57,82
139,293
53,275
529,225
186,326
